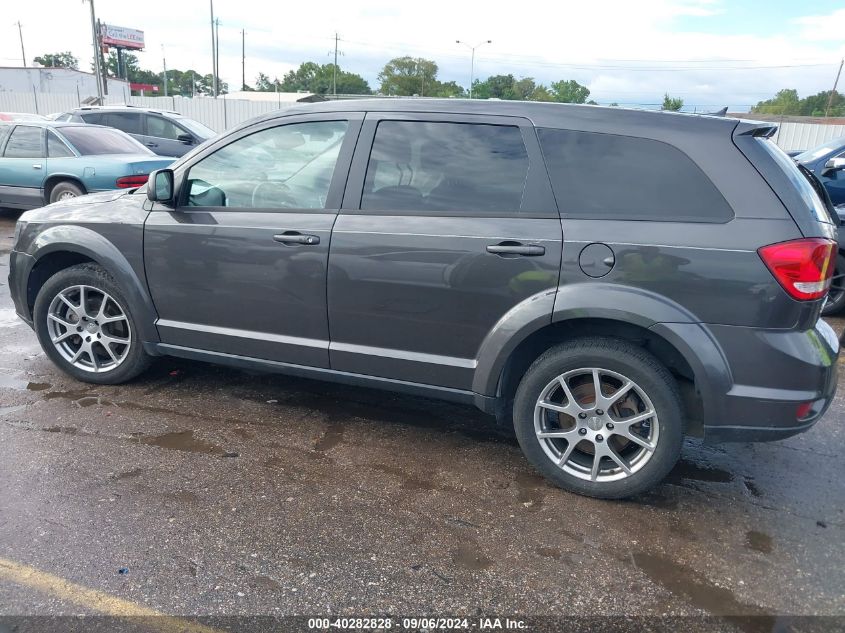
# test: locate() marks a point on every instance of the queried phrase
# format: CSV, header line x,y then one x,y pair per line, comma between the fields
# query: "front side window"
x,y
460,168
285,167
56,147
610,176
25,142
93,118
160,127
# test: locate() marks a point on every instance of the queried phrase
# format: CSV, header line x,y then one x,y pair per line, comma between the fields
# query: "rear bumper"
x,y
773,373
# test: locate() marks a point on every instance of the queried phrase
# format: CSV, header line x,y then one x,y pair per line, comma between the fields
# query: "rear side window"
x,y
129,122
56,147
160,127
93,118
459,168
608,176
25,142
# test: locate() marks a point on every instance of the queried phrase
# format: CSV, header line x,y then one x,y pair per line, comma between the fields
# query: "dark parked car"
x,y
827,163
607,281
165,133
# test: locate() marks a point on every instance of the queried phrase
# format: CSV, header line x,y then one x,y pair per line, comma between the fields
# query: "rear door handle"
x,y
297,238
36,166
515,248
152,144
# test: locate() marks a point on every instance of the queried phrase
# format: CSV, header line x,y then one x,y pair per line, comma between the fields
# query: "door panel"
x,y
240,266
413,298
456,228
23,167
221,282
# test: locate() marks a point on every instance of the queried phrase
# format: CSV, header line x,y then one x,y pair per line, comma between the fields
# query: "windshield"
x,y
198,128
93,141
802,180
817,152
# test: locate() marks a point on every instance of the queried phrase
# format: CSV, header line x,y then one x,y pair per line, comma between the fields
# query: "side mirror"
x,y
833,165
160,185
187,139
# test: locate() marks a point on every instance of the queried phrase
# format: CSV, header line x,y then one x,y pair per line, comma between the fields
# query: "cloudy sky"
x,y
709,52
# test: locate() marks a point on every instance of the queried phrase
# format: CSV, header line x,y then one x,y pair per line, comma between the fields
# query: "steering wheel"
x,y
282,195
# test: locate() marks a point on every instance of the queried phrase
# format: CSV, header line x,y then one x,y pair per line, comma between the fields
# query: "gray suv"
x,y
606,281
165,133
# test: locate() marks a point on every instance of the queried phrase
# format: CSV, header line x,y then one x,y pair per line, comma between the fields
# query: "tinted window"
x,y
622,177
90,141
93,118
129,122
802,183
56,147
4,132
25,142
162,128
459,167
285,167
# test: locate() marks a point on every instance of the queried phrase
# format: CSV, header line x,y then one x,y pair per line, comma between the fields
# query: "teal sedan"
x,y
45,161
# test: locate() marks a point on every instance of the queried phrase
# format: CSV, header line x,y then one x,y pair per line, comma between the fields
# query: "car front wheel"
x,y
600,417
85,326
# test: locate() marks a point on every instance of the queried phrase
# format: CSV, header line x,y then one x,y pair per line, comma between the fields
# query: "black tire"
x,y
625,359
65,188
136,360
836,296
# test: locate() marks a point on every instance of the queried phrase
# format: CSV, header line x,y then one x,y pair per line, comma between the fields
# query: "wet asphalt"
x,y
223,492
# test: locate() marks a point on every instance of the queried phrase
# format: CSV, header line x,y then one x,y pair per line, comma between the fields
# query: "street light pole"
x,y
472,64
213,52
96,41
23,52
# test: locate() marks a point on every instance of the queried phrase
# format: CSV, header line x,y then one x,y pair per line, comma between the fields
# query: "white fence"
x,y
219,114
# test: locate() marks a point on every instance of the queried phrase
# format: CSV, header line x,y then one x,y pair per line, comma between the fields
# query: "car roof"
x,y
125,108
50,123
542,114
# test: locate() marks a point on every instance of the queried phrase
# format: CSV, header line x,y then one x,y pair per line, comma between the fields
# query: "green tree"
x,y
407,76
816,105
312,77
672,103
786,101
58,60
263,83
570,91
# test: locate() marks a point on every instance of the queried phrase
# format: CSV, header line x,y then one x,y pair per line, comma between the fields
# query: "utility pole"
x,y
164,66
96,41
472,64
217,51
833,92
243,59
23,53
334,69
213,51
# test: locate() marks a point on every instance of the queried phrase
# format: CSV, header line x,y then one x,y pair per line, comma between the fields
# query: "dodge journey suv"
x,y
606,281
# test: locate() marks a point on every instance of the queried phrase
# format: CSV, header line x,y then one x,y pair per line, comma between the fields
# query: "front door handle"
x,y
297,238
36,166
515,248
152,144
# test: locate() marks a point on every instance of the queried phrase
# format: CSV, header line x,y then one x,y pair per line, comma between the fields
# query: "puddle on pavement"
x,y
69,395
90,401
690,471
758,541
180,441
12,409
409,480
12,382
701,593
331,438
67,430
469,556
38,386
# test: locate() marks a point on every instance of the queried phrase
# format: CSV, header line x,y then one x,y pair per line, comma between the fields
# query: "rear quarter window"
x,y
609,176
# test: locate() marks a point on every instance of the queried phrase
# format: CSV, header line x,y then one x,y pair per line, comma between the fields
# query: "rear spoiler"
x,y
755,128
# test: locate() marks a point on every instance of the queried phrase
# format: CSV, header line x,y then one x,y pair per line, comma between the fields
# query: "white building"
x,y
56,81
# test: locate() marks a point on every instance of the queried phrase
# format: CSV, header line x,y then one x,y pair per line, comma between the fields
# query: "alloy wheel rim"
x,y
837,286
597,425
89,328
66,195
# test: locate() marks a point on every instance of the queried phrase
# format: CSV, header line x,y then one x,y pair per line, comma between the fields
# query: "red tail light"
x,y
803,267
127,182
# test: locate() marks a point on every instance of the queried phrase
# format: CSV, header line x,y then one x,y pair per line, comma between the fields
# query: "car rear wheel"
x,y
65,190
836,295
86,327
600,417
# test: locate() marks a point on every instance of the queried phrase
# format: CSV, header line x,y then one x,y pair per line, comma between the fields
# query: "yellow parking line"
x,y
95,600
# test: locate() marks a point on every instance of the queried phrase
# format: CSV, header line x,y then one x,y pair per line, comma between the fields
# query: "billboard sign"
x,y
122,37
